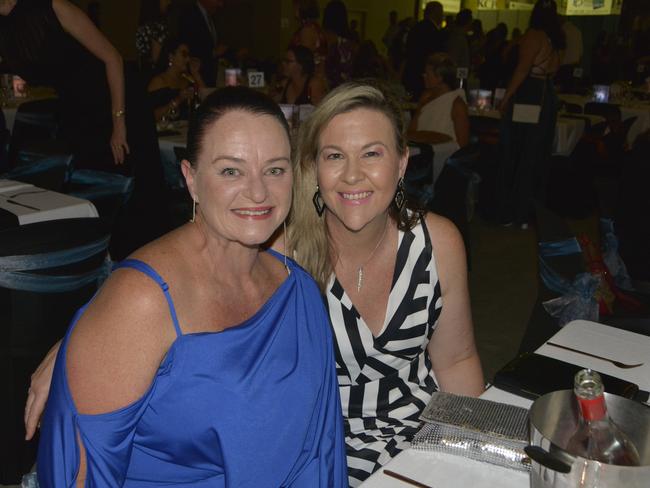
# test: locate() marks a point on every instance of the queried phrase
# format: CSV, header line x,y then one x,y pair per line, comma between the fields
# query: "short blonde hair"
x,y
307,233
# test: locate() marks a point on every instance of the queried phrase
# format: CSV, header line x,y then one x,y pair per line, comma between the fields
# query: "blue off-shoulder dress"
x,y
255,405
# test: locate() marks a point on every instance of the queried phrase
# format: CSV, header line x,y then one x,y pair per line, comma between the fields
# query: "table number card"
x,y
255,79
577,72
461,73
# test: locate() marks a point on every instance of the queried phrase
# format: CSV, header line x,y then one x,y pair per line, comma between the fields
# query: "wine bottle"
x,y
597,437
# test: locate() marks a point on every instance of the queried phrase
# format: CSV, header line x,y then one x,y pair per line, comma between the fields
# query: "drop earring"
x,y
193,219
284,231
318,202
400,198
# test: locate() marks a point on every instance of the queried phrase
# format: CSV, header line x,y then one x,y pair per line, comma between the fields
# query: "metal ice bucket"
x,y
553,419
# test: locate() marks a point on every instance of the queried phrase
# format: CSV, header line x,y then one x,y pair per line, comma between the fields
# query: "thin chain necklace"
x,y
360,268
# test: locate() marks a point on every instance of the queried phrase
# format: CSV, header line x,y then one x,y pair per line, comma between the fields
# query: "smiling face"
x,y
242,179
358,167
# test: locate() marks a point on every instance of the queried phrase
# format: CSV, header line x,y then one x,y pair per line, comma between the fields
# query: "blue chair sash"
x,y
578,298
15,271
552,280
100,184
578,303
32,167
612,258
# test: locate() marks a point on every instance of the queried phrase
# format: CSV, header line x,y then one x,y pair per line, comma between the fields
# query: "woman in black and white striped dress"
x,y
395,280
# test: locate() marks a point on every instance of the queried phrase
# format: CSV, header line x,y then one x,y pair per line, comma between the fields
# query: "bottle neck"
x,y
593,409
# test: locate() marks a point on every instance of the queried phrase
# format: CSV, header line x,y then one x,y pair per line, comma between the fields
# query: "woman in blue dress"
x,y
204,360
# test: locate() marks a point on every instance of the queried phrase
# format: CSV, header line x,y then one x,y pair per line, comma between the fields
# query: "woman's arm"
x,y
160,109
39,390
79,26
528,49
114,352
195,72
452,350
460,117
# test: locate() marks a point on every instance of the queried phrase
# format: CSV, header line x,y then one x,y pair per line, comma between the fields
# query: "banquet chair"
x,y
551,228
36,122
466,160
49,172
109,192
610,111
418,179
47,271
561,264
485,129
452,196
630,212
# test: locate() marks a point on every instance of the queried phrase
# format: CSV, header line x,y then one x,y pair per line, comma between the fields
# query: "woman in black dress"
x,y
105,121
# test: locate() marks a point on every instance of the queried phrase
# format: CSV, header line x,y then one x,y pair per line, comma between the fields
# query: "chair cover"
x,y
61,262
49,172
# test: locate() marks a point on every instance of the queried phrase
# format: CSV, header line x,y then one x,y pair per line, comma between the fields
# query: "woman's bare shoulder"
x,y
446,239
533,36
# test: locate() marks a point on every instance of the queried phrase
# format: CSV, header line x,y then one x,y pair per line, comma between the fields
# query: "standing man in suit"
x,y
425,38
196,27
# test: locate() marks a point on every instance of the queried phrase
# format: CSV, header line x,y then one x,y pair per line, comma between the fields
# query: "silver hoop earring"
x,y
193,219
286,250
318,202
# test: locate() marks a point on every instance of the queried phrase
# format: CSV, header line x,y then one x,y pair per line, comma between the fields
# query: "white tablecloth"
x,y
32,204
640,110
446,470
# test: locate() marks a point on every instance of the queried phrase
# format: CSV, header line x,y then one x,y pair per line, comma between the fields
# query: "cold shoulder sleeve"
x,y
107,438
327,466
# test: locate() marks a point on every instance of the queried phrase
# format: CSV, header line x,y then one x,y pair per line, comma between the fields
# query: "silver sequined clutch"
x,y
478,429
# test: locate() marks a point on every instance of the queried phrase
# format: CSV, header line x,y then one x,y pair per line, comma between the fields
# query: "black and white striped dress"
x,y
386,381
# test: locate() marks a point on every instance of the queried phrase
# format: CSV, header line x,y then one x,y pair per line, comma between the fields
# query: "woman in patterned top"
x,y
395,280
152,31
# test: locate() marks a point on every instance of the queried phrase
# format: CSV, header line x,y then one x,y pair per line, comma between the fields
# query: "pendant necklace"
x,y
360,268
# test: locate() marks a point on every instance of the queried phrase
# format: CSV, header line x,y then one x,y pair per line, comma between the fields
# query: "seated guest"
x,y
178,80
394,278
442,112
186,381
302,85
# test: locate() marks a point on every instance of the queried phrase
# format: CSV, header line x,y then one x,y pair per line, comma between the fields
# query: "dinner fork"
x,y
618,364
